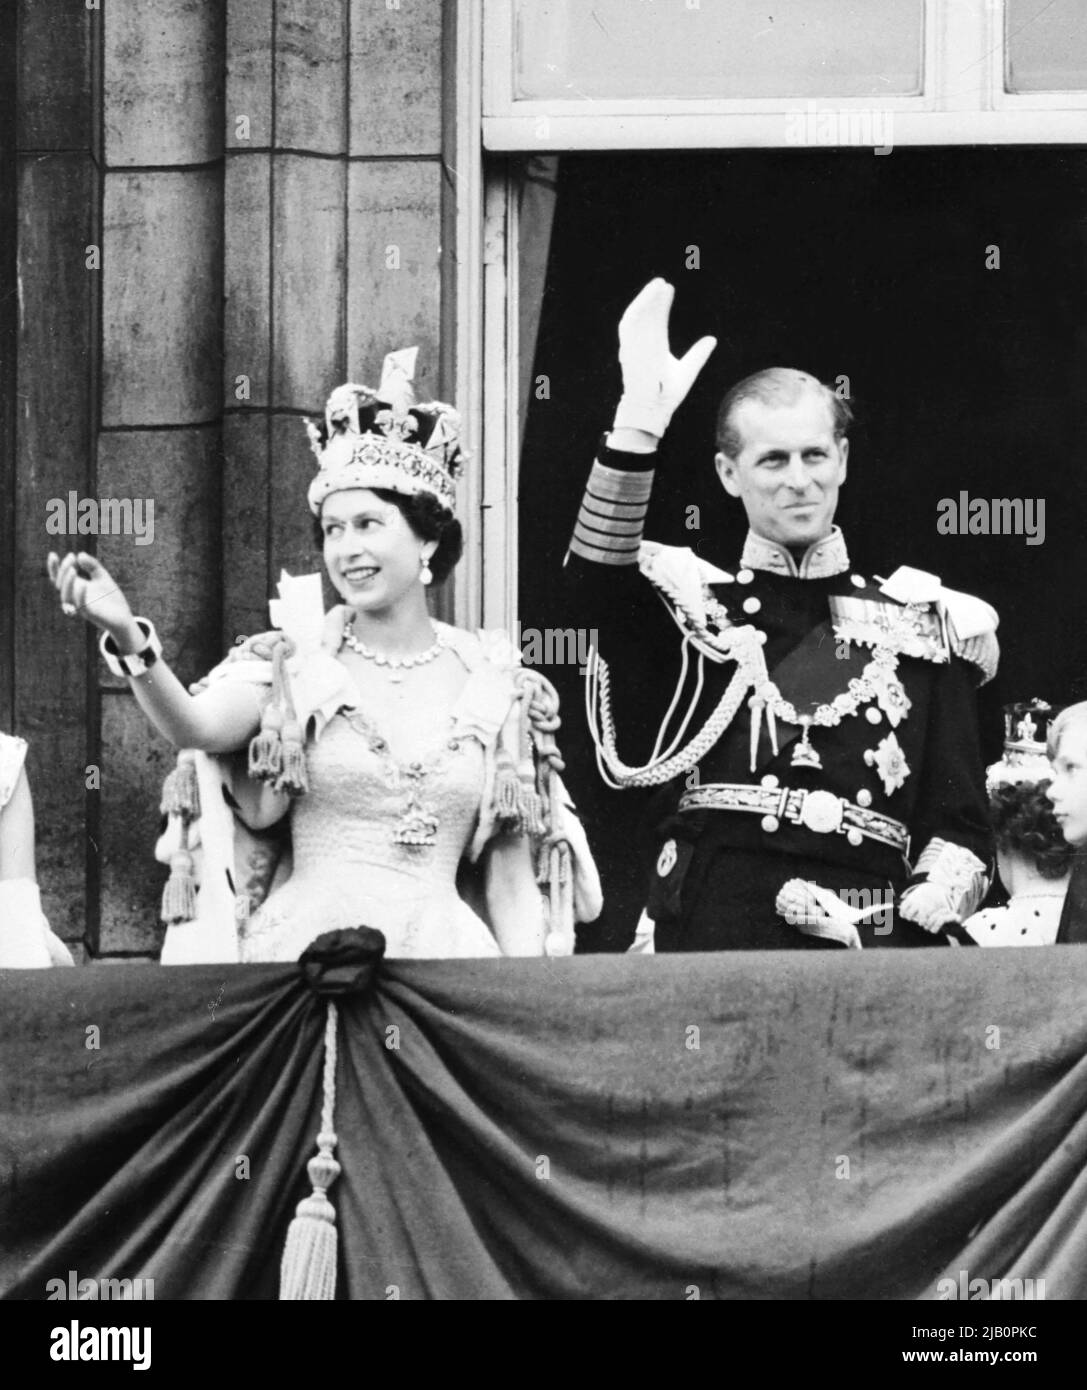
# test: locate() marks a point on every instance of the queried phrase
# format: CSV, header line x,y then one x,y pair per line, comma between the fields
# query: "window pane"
x,y
597,49
1046,46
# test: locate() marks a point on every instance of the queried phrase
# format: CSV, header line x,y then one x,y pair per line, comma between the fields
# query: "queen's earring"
x,y
425,574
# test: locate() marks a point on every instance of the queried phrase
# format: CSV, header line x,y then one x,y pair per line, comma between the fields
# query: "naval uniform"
x,y
882,788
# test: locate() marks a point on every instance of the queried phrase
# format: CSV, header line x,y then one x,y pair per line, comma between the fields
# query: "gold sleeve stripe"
x,y
612,515
610,525
592,552
622,511
619,485
605,540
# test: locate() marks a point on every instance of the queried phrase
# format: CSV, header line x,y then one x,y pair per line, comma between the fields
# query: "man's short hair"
x,y
775,386
1073,714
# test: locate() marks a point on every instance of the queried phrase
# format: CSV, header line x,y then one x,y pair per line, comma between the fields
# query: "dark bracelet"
x,y
136,663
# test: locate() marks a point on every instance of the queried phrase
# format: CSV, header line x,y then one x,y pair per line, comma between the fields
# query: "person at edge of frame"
x,y
812,732
1066,746
26,939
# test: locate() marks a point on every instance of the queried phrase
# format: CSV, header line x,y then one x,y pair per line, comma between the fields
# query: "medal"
x,y
418,823
889,762
804,755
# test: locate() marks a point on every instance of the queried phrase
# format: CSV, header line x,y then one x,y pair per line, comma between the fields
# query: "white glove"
x,y
929,905
654,382
26,943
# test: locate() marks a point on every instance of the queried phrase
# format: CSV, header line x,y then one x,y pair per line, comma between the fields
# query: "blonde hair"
x,y
776,386
1074,714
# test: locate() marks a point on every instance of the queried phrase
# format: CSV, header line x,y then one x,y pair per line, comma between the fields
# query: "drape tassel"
x,y
533,821
179,895
508,805
265,747
180,790
308,1270
533,814
292,778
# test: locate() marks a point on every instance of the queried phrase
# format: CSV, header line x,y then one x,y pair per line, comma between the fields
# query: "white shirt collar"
x,y
822,560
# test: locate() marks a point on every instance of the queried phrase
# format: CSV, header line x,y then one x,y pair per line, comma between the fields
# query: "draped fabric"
x,y
758,1126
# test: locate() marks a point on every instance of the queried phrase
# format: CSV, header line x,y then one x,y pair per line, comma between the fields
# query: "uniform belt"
x,y
819,811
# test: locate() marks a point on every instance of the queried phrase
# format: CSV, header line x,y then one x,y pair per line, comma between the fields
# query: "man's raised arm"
x,y
616,499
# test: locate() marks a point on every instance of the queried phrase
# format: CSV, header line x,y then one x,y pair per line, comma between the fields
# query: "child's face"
x,y
1068,789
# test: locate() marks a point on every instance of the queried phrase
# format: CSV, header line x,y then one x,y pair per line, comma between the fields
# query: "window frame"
x,y
1024,103
962,39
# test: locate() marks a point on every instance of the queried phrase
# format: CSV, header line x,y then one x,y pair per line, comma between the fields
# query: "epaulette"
x,y
971,623
942,621
682,579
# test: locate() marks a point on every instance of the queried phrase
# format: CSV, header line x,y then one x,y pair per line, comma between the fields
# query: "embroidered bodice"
x,y
379,836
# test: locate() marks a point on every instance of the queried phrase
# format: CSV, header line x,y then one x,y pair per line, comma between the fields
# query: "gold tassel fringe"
x,y
179,895
308,1269
181,791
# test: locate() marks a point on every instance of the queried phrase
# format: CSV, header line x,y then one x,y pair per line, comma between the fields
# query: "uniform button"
x,y
864,797
855,837
771,781
667,859
873,715
857,581
770,824
762,638
745,576
751,605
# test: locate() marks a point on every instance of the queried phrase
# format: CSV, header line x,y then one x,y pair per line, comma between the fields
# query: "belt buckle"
x,y
822,812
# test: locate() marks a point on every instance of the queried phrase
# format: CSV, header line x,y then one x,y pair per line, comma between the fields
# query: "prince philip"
x,y
811,732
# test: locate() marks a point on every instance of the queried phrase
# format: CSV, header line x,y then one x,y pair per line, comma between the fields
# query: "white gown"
x,y
458,781
350,870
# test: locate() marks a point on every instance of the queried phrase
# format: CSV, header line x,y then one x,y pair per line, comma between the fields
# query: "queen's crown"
x,y
383,439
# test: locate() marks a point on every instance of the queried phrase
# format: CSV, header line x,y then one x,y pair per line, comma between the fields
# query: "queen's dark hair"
x,y
1023,823
429,520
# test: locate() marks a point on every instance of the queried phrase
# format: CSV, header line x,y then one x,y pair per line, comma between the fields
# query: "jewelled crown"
x,y
1026,725
384,439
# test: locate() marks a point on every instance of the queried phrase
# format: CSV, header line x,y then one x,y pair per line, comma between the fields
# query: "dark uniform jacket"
x,y
908,753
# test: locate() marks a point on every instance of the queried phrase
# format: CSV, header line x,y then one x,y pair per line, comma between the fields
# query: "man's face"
x,y
789,469
1068,789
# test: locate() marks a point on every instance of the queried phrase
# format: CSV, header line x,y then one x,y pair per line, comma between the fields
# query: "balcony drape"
x,y
759,1126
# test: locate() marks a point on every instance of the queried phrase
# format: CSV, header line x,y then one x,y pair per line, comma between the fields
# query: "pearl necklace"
x,y
395,665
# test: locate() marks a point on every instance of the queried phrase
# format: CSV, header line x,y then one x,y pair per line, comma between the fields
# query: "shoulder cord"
x,y
657,754
750,672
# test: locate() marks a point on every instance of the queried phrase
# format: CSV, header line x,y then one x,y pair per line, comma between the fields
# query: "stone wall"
x,y
223,211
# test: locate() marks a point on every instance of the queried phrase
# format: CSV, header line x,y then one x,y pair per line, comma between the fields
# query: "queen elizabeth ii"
x,y
414,763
